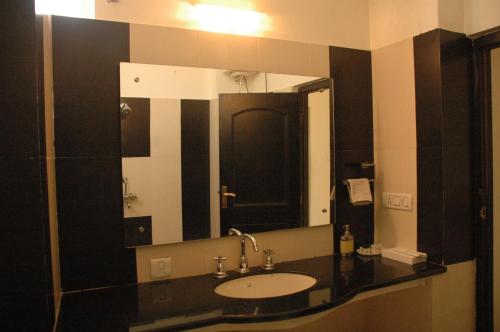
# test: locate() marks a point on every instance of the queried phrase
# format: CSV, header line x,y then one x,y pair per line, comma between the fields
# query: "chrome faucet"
x,y
243,258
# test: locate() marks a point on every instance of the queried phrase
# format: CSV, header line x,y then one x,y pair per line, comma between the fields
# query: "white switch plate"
x,y
397,201
161,267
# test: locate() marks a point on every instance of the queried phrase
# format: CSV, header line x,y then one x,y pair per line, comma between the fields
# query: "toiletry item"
x,y
359,191
373,250
404,255
346,242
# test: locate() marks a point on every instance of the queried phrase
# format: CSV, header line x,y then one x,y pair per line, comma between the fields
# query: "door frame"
x,y
483,179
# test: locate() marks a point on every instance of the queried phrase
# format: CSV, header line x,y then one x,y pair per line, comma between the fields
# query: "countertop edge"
x,y
228,319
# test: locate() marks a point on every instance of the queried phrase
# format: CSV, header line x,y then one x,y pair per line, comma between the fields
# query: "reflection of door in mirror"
x,y
179,122
259,161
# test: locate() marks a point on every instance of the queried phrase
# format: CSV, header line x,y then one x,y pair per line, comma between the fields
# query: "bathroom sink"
x,y
265,285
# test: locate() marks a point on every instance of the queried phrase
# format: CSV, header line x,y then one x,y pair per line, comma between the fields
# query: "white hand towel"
x,y
359,191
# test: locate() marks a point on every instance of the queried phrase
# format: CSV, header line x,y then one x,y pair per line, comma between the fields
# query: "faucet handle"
x,y
269,265
221,272
269,252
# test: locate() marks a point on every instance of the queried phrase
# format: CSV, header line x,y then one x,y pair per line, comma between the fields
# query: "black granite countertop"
x,y
191,302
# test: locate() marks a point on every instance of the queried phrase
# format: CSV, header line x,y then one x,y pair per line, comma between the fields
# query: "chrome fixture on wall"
x,y
128,198
125,110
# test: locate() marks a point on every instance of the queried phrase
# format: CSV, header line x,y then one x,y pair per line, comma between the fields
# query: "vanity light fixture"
x,y
223,19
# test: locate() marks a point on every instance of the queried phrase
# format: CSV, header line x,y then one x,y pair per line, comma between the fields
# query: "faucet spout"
x,y
252,239
243,257
234,231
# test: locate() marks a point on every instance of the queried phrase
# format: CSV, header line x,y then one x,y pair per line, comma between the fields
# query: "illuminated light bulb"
x,y
227,20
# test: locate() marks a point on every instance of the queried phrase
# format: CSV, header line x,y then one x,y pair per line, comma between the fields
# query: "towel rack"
x,y
366,164
363,164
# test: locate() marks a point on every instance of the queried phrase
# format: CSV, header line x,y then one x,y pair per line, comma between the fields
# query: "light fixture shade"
x,y
227,20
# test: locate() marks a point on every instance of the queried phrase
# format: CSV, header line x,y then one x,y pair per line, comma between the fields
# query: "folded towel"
x,y
404,255
359,191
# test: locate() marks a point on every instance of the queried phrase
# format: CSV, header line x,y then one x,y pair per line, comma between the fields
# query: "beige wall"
x,y
395,141
481,15
213,50
453,299
392,21
495,98
452,15
196,257
51,167
325,22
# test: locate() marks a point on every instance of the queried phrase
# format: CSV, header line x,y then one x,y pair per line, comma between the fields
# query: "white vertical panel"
x,y
214,169
166,172
319,157
169,82
138,172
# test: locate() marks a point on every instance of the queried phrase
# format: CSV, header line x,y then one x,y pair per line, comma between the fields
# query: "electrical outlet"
x,y
397,201
161,267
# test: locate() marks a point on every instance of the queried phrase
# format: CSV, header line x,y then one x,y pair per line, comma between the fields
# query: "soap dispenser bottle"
x,y
346,242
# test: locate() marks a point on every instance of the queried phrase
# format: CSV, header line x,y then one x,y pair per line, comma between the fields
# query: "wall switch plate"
x,y
397,201
161,267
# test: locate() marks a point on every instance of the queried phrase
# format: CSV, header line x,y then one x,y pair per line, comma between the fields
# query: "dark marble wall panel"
x,y
26,303
88,156
195,159
444,159
136,128
353,138
138,231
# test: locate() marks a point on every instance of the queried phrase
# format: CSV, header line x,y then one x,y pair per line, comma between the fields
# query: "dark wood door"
x,y
260,161
484,167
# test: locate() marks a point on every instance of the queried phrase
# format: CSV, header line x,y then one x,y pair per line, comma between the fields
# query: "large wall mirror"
x,y
204,150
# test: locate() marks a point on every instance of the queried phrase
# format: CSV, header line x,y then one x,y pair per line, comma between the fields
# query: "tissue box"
x,y
404,255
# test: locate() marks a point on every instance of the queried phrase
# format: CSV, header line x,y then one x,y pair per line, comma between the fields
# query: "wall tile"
x,y
86,93
428,90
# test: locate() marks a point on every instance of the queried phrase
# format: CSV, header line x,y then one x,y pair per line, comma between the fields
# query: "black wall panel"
x,y
87,54
444,159
136,128
353,119
26,301
195,155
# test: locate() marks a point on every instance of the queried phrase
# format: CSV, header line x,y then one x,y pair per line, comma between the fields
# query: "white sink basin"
x,y
265,285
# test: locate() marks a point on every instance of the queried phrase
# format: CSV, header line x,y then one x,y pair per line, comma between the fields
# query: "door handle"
x,y
224,196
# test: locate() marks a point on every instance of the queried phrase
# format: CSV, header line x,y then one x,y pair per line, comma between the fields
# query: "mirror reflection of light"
x,y
73,8
227,20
